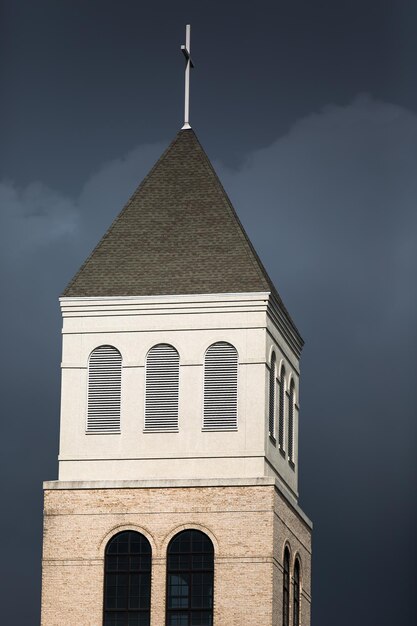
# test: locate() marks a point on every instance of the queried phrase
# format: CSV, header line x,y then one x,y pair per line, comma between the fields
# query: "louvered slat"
x,y
272,396
162,388
281,408
104,390
220,387
291,422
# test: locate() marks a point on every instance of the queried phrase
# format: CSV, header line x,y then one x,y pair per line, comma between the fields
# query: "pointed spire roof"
x,y
178,234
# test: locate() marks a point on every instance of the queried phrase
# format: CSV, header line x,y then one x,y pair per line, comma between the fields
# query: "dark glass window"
x,y
127,580
291,422
286,589
296,614
281,416
190,575
272,376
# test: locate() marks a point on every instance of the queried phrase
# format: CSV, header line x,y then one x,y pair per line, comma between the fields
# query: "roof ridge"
x,y
227,202
250,250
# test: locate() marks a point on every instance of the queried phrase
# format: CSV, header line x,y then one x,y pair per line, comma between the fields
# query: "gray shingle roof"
x,y
178,234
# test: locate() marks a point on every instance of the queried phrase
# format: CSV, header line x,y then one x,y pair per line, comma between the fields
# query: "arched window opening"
x,y
162,388
281,413
272,377
220,387
296,609
190,578
286,589
291,422
104,390
127,580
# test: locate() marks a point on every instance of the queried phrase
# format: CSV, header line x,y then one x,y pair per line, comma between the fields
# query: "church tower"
x,y
176,502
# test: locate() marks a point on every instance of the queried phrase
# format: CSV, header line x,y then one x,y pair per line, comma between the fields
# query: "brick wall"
x,y
248,525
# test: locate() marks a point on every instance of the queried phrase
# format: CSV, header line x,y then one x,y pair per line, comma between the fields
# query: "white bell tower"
x,y
219,397
177,497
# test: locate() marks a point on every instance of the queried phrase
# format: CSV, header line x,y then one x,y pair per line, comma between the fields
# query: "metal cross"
x,y
188,65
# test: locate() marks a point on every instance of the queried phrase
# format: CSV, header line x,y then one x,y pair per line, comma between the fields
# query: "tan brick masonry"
x,y
249,527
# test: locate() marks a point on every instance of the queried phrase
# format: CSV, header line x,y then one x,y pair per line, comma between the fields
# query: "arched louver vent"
x,y
162,388
281,414
220,387
272,376
291,422
104,390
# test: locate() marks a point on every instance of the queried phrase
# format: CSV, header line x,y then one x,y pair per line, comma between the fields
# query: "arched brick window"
x,y
127,580
296,607
190,577
286,589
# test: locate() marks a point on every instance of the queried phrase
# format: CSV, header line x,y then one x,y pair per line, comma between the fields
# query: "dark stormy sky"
x,y
308,110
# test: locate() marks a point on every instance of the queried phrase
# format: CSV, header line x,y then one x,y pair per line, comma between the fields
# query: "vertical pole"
x,y
187,77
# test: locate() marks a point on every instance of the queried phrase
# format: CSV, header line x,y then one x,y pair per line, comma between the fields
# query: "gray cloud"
x,y
335,198
33,217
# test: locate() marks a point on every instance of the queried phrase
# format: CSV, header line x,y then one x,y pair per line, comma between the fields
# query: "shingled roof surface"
x,y
178,234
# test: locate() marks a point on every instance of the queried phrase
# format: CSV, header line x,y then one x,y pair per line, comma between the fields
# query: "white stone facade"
x,y
251,322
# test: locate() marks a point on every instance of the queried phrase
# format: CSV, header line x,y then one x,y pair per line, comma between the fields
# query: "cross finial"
x,y
188,65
